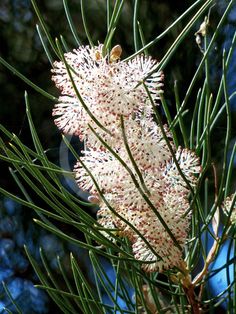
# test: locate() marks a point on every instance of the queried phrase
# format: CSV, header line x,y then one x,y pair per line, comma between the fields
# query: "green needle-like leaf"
x,y
18,310
27,81
71,23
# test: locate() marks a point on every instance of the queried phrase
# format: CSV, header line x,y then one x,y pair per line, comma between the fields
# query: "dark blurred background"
x,y
20,46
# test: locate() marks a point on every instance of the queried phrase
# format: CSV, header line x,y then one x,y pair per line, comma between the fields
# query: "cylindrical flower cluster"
x,y
107,105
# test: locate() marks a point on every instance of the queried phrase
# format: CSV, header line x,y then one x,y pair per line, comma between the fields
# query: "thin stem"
x,y
181,122
142,38
27,81
229,124
113,22
108,14
135,25
139,174
71,23
193,122
44,27
85,23
44,44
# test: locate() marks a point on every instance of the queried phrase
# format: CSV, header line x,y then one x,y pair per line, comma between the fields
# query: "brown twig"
x,y
188,288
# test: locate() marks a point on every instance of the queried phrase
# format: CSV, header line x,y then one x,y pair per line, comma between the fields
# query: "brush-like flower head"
x,y
107,104
108,86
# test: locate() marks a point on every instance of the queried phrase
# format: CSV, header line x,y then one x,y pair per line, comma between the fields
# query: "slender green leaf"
x,y
44,44
18,310
135,25
71,23
27,81
82,7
